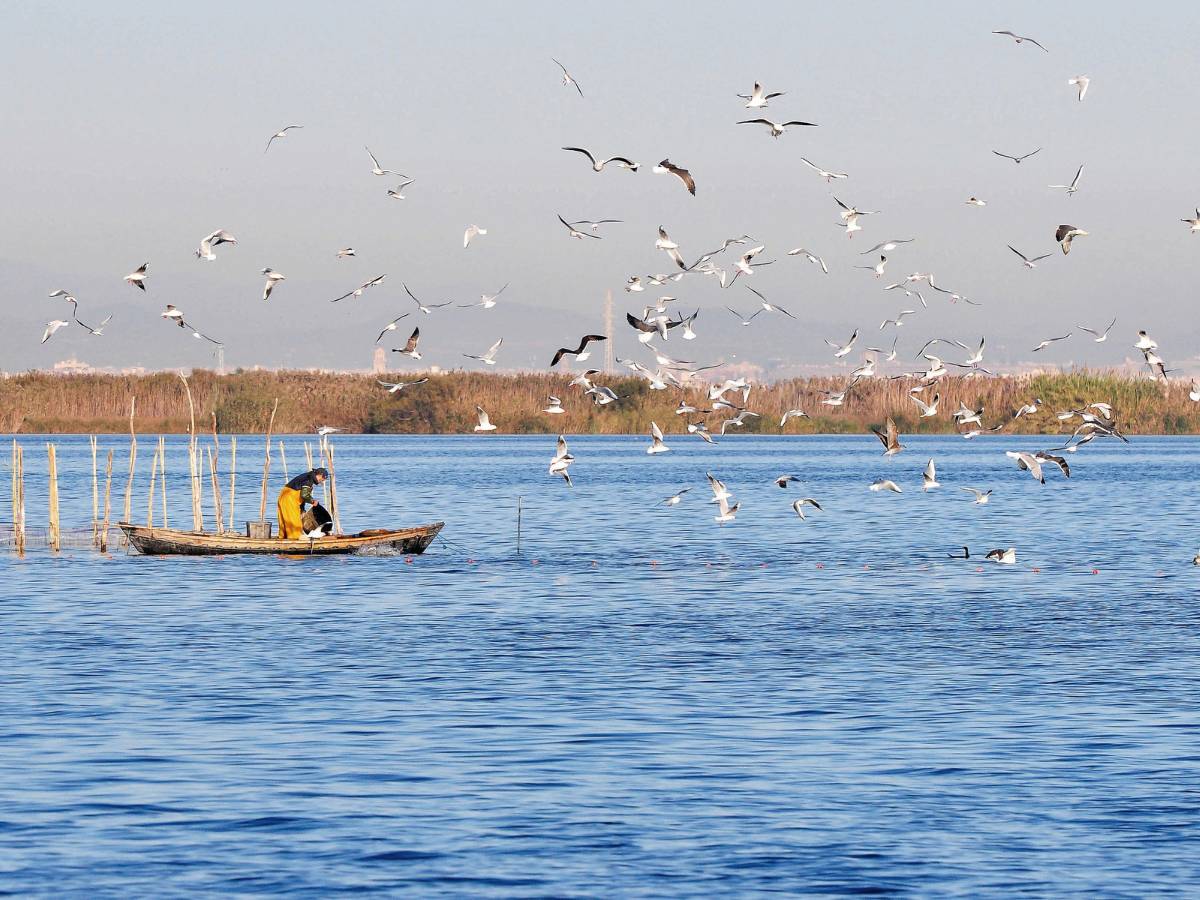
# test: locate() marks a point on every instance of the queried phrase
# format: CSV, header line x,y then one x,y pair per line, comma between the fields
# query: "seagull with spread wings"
x,y
567,77
598,165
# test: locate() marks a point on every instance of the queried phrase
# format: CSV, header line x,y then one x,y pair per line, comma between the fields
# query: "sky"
x,y
135,129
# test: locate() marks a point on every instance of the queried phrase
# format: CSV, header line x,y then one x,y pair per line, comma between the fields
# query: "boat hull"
x,y
166,542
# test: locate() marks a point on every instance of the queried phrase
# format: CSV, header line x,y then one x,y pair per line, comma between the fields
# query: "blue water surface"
x,y
643,703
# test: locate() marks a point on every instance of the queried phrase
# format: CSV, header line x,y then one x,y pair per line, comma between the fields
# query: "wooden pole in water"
x,y
193,461
518,525
20,536
218,513
95,494
128,513
308,455
55,533
262,503
153,476
107,504
283,460
16,495
232,476
334,510
162,464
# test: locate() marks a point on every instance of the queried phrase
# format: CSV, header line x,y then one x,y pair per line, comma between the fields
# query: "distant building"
x,y
379,361
71,366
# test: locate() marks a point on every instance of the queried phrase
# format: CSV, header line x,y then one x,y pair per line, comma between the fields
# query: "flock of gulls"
x,y
733,259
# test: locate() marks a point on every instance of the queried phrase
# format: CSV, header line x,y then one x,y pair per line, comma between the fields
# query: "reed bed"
x,y
242,402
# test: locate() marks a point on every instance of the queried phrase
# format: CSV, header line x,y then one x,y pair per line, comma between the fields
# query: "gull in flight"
x,y
793,414
472,231
1064,234
137,277
344,252
784,480
981,497
220,236
1081,83
561,461
744,266
326,430
1194,393
375,167
799,505
489,357
929,477
1073,186
776,128
1145,342
75,315
1028,409
567,78
486,301
769,307
885,484
666,167
485,424
554,406
397,193
400,385
850,213
975,201
1004,557
1028,462
828,176
675,499
1099,336
927,409
620,161
727,513
877,268
1195,223
1018,159
889,437
1020,38
595,226
173,314
757,98
811,257
656,436
410,347
581,352
720,492
273,278
357,292
421,307
1030,263
574,232
887,246
899,320
891,354
841,350
282,132
52,327
1048,341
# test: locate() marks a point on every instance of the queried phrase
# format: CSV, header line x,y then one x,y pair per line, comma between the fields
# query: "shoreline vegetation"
x,y
44,403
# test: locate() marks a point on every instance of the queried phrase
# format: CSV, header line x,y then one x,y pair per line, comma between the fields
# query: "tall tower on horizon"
x,y
608,333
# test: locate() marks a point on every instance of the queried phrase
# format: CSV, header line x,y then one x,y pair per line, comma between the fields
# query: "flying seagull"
x,y
769,307
620,161
841,350
1004,557
400,385
675,499
929,477
776,128
886,484
218,237
1099,337
357,292
397,193
375,168
656,437
421,307
472,231
595,226
488,357
757,98
1064,234
811,257
889,437
828,176
799,505
1048,341
1073,186
485,424
1018,159
174,314
344,252
1030,263
887,246
975,201
1081,82
981,497
580,353
282,132
410,348
273,278
574,232
666,167
138,276
52,327
567,78
561,461
1020,38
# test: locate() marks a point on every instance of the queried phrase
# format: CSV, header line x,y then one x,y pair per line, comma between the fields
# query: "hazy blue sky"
x,y
134,129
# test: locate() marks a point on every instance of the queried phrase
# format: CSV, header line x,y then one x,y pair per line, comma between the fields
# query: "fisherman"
x,y
293,498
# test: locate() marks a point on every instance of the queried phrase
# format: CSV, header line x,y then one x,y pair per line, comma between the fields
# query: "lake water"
x,y
643,703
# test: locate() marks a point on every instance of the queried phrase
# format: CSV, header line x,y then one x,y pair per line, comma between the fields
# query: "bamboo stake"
x,y
55,533
308,455
283,460
95,493
262,503
19,512
232,476
162,463
333,498
128,514
193,462
107,504
16,494
150,501
218,513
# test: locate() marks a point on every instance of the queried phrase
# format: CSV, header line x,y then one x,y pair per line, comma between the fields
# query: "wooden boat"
x,y
165,541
